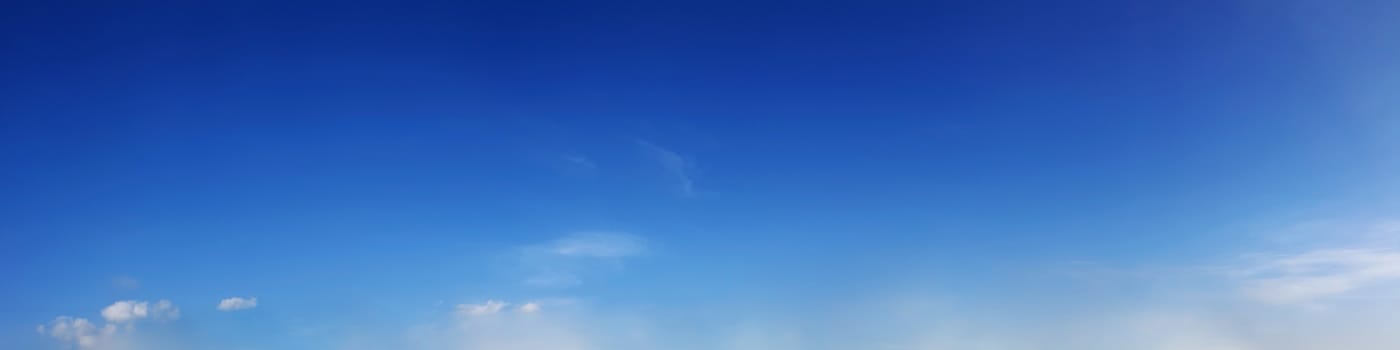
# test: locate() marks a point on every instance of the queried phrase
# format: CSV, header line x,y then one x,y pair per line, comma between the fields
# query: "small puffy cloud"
x,y
490,307
131,310
124,311
530,308
237,303
77,331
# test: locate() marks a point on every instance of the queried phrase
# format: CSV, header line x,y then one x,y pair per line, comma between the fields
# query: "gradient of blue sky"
x,y
512,175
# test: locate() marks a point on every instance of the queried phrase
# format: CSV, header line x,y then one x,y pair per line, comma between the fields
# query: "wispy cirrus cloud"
x,y
1322,272
563,261
598,245
579,161
679,168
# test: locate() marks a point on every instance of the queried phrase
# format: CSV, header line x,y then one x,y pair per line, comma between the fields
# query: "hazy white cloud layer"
x,y
237,303
1320,297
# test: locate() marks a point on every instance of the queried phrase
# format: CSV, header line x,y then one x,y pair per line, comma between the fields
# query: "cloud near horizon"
x,y
1259,306
84,334
1323,271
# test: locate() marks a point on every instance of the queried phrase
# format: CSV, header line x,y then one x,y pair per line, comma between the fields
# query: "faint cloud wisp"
x,y
562,262
675,165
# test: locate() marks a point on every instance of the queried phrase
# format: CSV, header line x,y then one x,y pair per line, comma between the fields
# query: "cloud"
x,y
125,283
562,262
77,331
579,161
490,326
87,335
598,245
493,307
1320,273
1327,270
678,167
237,303
131,310
490,307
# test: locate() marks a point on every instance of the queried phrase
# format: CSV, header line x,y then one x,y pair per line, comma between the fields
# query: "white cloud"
x,y
677,166
490,307
1320,273
237,303
77,331
84,334
124,311
131,310
561,262
487,326
598,244
1343,259
579,161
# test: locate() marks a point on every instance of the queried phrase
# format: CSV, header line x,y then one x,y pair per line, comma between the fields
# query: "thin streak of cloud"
x,y
579,161
1322,272
562,262
598,244
677,166
490,307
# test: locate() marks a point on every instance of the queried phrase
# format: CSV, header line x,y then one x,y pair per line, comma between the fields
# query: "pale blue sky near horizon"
x,y
1000,175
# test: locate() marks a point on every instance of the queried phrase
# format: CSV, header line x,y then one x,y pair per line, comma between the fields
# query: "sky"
x,y
716,175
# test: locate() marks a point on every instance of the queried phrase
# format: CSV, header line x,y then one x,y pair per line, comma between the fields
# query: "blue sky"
x,y
1001,175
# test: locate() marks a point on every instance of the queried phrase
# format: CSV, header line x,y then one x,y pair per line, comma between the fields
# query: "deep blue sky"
x,y
361,168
